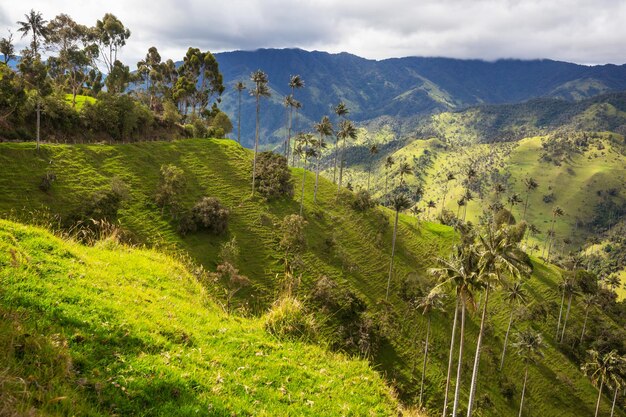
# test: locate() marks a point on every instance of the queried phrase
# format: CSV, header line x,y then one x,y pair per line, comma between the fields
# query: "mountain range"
x,y
405,89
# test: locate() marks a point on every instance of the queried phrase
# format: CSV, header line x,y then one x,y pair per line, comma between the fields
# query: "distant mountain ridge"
x,y
401,88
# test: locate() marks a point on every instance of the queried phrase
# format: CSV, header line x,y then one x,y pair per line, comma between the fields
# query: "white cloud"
x,y
584,31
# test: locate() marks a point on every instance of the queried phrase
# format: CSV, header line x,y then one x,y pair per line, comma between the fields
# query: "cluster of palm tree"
x,y
606,369
482,264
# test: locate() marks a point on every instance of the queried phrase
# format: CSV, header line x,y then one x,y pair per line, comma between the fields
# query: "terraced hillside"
x,y
349,247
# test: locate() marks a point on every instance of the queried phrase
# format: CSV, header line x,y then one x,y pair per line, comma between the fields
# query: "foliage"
x,y
287,319
173,184
273,177
362,201
207,214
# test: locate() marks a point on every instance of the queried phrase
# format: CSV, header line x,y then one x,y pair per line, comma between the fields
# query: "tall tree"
x,y
239,86
513,200
341,110
346,131
399,202
260,80
404,169
373,150
529,344
295,82
514,295
388,164
7,49
531,185
324,129
110,35
34,25
556,212
566,285
449,177
428,304
602,367
304,140
589,300
430,205
570,291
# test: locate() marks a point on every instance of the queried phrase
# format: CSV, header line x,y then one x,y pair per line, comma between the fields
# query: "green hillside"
x,y
109,330
348,247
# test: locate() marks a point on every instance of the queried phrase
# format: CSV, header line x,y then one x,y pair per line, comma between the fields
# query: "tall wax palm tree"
x,y
459,203
297,106
589,300
459,271
566,285
388,164
602,367
514,295
498,189
499,258
529,344
295,82
404,169
513,200
239,86
373,149
531,230
341,110
34,25
304,140
570,290
616,382
346,131
399,202
531,185
428,304
556,212
449,177
324,128
430,205
468,196
260,80
288,102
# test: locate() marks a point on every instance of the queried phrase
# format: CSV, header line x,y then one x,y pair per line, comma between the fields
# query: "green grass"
x,y
350,247
80,100
109,330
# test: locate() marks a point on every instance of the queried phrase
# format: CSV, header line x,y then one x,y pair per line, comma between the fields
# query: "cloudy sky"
x,y
582,31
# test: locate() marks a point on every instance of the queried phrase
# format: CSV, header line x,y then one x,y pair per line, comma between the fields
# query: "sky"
x,y
580,31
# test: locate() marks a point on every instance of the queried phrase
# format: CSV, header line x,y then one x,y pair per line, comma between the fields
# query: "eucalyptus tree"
x,y
110,35
388,164
34,25
305,140
324,129
602,367
514,295
346,131
428,305
529,344
399,202
373,150
448,177
341,110
531,185
239,86
459,271
151,70
260,80
588,300
500,257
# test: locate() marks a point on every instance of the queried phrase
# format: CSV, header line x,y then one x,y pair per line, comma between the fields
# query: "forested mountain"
x,y
402,88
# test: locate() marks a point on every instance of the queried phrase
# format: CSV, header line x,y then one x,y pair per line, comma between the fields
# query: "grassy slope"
x,y
80,100
116,331
358,259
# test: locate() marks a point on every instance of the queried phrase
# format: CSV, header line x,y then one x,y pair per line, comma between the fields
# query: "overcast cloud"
x,y
582,31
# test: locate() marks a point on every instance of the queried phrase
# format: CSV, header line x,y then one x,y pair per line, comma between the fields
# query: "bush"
x,y
118,115
273,176
46,181
288,319
362,201
173,184
208,214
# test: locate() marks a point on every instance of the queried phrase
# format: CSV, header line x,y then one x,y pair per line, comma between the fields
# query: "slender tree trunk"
x,y
470,403
303,181
343,146
521,404
558,324
569,305
317,178
450,357
38,122
614,401
506,339
288,145
256,144
443,202
457,389
526,205
335,160
425,361
582,334
599,396
386,179
369,172
393,251
239,121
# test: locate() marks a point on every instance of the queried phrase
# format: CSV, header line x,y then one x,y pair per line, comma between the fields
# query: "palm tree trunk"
x,y
303,181
569,305
239,121
38,122
526,205
425,361
558,324
343,146
506,339
386,179
317,178
582,334
599,396
614,401
470,403
289,134
393,251
369,172
450,357
335,161
457,389
256,144
443,202
521,404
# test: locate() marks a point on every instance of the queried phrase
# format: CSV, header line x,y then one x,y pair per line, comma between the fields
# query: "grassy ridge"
x,y
116,331
358,257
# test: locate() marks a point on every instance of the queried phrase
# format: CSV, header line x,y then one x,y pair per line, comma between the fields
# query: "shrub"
x,y
46,181
288,319
292,234
362,201
173,184
208,214
273,176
